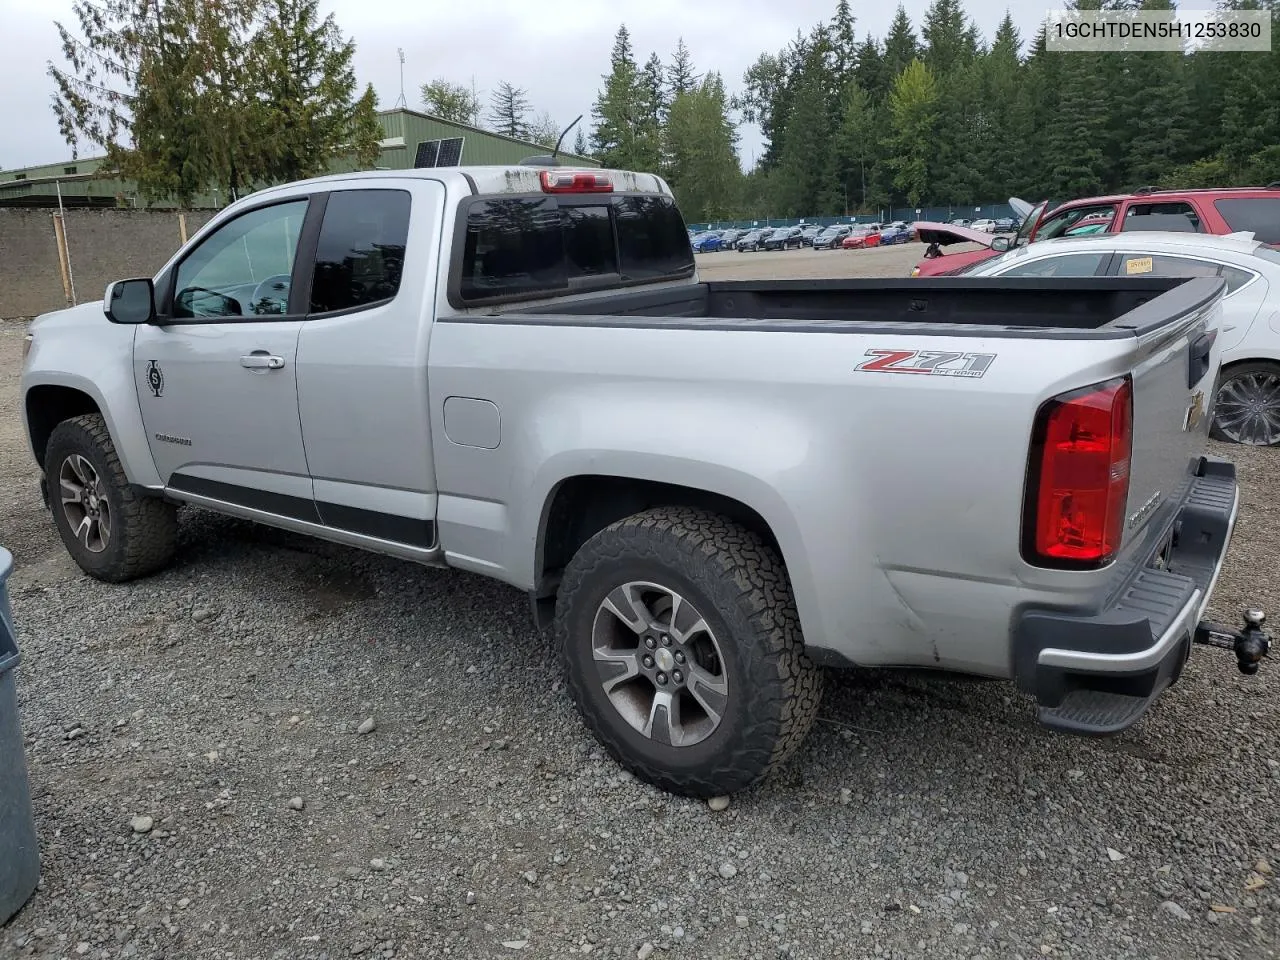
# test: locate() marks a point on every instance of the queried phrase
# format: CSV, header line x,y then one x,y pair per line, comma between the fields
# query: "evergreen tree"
x,y
681,77
801,183
580,144
508,108
705,173
913,106
624,136
870,69
844,43
306,112
900,48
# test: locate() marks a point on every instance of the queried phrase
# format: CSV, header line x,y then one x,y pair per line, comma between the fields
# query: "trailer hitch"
x,y
1250,645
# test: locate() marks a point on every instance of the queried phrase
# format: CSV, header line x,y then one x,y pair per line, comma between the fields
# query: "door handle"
x,y
262,361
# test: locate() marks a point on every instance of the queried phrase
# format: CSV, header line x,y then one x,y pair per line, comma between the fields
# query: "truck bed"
x,y
1032,307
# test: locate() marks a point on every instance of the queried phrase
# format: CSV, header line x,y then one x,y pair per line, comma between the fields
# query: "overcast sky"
x,y
556,51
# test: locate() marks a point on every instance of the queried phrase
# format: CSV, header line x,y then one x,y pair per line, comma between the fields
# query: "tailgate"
x,y
1173,389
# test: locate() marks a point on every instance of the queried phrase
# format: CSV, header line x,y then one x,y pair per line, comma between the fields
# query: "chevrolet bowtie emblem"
x,y
1195,410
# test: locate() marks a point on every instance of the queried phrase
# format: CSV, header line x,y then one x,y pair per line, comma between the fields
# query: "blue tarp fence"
x,y
990,211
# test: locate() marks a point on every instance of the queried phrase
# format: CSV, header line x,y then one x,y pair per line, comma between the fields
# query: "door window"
x,y
360,254
244,268
1066,265
1061,224
1177,215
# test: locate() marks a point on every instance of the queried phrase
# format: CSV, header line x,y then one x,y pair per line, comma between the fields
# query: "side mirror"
x,y
1000,244
130,301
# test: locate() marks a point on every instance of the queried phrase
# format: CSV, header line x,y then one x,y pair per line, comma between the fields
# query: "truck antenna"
x,y
563,135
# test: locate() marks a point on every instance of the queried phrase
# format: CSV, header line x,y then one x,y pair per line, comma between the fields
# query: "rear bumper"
x,y
1098,672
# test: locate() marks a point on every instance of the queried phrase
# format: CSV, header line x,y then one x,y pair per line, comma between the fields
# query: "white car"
x,y
1247,400
986,226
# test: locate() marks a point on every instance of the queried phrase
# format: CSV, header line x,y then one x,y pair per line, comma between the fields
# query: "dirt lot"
x,y
923,818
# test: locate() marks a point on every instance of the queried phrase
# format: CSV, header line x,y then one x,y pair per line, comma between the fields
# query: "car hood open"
x,y
946,233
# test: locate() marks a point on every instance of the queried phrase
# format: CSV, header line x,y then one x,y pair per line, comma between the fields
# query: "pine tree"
x,y
949,37
508,108
900,48
159,89
623,135
681,77
913,105
306,113
844,43
705,174
580,144
870,70
801,183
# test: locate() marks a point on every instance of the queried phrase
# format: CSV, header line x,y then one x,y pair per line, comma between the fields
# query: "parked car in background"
x,y
1005,225
860,238
707,242
784,238
1216,211
729,239
896,233
961,222
1246,403
986,226
809,233
832,237
751,240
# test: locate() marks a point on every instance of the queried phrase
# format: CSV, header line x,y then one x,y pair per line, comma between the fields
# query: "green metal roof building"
x,y
410,139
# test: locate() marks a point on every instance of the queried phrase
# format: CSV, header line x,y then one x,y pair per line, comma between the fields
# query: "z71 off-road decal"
x,y
938,363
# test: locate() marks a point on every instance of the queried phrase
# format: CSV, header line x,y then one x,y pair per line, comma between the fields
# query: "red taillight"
x,y
570,181
1079,476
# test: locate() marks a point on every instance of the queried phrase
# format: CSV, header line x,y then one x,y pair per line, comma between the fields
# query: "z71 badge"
x,y
937,363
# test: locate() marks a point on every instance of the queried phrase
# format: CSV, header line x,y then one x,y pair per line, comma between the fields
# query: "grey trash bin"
x,y
19,848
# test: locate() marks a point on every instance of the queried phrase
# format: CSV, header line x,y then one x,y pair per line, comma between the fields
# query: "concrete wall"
x,y
105,245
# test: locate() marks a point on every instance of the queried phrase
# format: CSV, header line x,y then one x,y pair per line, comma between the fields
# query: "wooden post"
x,y
182,228
60,236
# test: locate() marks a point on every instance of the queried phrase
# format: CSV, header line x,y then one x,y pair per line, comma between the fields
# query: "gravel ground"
x,y
175,726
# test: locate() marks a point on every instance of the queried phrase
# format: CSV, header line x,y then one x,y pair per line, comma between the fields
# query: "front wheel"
x,y
111,531
1247,405
681,643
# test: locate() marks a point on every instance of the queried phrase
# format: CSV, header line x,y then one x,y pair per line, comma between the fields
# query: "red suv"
x,y
1215,211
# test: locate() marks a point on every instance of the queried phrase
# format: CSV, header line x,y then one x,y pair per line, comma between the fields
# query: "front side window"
x,y
360,255
1067,265
1061,224
244,268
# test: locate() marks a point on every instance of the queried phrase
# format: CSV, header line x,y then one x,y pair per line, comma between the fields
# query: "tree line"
x,y
936,115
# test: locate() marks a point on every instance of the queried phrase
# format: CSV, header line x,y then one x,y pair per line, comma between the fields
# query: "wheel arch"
x,y
579,506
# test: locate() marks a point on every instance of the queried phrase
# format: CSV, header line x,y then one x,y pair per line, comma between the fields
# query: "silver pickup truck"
x,y
713,490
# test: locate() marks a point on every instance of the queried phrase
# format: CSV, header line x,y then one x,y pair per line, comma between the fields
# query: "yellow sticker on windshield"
x,y
1138,265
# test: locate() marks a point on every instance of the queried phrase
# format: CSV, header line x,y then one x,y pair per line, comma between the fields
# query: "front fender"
x,y
99,365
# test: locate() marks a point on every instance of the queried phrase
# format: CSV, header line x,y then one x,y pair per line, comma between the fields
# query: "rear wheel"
x,y
682,647
1247,406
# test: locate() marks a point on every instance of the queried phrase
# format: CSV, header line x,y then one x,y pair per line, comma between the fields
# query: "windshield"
x,y
1024,231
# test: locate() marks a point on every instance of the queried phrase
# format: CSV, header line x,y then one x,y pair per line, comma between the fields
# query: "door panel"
x,y
215,375
362,361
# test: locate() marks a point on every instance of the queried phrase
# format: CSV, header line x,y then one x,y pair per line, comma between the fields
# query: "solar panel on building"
x,y
428,150
450,152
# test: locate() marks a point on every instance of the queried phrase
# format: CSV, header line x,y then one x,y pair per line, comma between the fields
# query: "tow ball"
x,y
1250,645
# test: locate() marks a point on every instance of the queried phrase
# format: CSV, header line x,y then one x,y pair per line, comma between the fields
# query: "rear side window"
x,y
360,257
1261,215
1177,215
529,246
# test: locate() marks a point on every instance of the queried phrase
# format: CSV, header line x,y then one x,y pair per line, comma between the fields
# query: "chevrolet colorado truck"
x,y
712,490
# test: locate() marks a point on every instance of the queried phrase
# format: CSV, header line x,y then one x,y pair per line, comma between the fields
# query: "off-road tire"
x,y
143,530
739,584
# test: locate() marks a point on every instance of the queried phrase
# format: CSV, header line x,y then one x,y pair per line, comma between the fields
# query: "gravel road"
x,y
203,788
